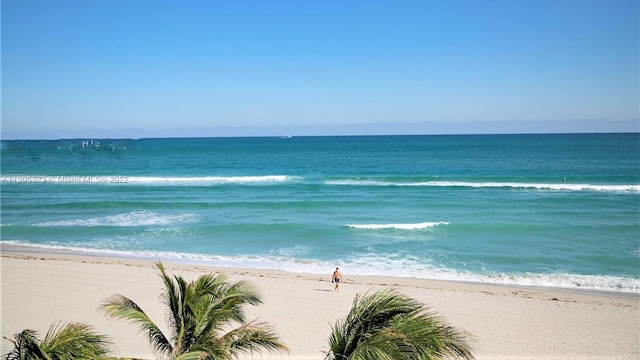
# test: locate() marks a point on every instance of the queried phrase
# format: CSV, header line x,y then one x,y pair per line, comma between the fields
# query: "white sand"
x,y
507,322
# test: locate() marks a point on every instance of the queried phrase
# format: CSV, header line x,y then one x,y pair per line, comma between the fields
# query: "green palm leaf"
x,y
388,325
198,313
62,341
121,307
25,346
194,355
73,341
252,337
174,298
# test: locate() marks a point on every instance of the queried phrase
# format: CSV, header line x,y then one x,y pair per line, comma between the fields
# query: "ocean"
x,y
558,210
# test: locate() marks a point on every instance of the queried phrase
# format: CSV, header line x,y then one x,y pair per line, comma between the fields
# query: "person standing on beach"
x,y
337,277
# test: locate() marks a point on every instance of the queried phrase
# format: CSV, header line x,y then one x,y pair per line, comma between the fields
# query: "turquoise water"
x,y
549,210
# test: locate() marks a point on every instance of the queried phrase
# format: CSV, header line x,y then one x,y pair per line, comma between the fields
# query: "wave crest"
x,y
414,226
514,185
211,180
130,219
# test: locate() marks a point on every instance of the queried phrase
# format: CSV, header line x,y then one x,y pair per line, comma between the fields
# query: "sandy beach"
x,y
506,322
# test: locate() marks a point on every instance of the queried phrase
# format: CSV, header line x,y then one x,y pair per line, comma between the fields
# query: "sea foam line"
x,y
212,180
414,226
362,266
515,185
130,219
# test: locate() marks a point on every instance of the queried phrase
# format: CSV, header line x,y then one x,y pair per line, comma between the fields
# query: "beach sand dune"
x,y
506,322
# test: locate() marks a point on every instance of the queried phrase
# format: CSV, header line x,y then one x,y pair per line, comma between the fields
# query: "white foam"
x,y
211,180
278,262
414,226
359,182
412,267
130,219
296,250
276,179
566,280
538,186
369,265
514,185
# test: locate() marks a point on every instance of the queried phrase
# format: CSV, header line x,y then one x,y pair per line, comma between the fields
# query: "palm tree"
x,y
70,341
198,313
389,325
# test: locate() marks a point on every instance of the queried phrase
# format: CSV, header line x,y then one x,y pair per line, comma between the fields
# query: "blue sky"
x,y
116,68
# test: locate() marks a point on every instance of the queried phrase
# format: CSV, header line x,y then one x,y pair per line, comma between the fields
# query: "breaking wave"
x,y
414,226
130,219
371,265
514,185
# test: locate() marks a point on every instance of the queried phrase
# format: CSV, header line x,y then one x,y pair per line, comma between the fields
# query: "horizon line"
x,y
321,135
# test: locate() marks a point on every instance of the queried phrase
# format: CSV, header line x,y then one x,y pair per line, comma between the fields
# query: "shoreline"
x,y
20,248
505,321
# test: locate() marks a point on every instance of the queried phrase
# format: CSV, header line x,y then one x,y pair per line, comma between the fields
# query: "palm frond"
x,y
172,298
197,311
62,341
251,337
178,296
123,308
369,314
243,291
212,300
25,346
434,338
220,303
209,284
74,341
227,299
389,325
182,316
194,355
